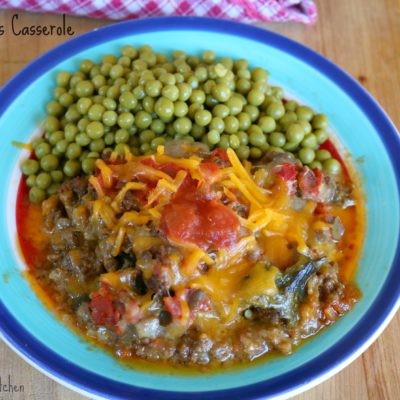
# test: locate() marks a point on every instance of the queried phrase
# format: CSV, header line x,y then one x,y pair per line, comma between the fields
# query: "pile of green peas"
x,y
143,99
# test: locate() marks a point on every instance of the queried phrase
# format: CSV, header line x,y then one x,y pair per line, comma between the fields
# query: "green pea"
x,y
221,92
234,141
290,146
153,88
42,149
244,74
171,92
71,168
144,148
208,56
182,125
224,142
74,150
180,109
315,164
126,120
252,111
121,136
109,118
97,145
255,153
86,66
157,126
53,189
95,112
231,124
243,86
30,180
235,105
54,108
321,135
304,113
83,105
109,139
310,141
43,180
95,130
295,133
319,121
332,166
49,162
259,74
36,195
290,105
243,152
185,91
63,78
70,132
36,141
93,154
243,137
255,97
66,99
159,141
128,100
61,146
220,111
256,137
113,92
72,114
116,71
202,117
306,155
164,108
277,139
198,131
276,110
84,89
217,124
305,125
88,165
51,124
323,155
197,96
267,124
288,118
277,92
98,81
244,121
57,176
30,167
146,136
261,86
213,136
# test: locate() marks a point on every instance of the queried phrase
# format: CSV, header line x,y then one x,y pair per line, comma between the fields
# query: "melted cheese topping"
x,y
232,277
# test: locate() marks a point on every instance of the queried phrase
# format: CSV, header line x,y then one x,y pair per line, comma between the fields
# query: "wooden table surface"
x,y
361,36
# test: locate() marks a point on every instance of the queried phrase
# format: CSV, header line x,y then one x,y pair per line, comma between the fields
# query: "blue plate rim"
x,y
311,371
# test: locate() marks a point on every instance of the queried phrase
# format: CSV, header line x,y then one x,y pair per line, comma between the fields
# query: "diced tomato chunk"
x,y
173,306
169,168
310,182
205,223
210,172
102,308
220,157
288,173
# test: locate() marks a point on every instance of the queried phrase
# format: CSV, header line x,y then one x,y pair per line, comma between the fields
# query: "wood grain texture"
x,y
361,36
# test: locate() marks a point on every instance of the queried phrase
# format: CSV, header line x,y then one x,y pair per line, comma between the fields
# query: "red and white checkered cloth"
x,y
303,11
